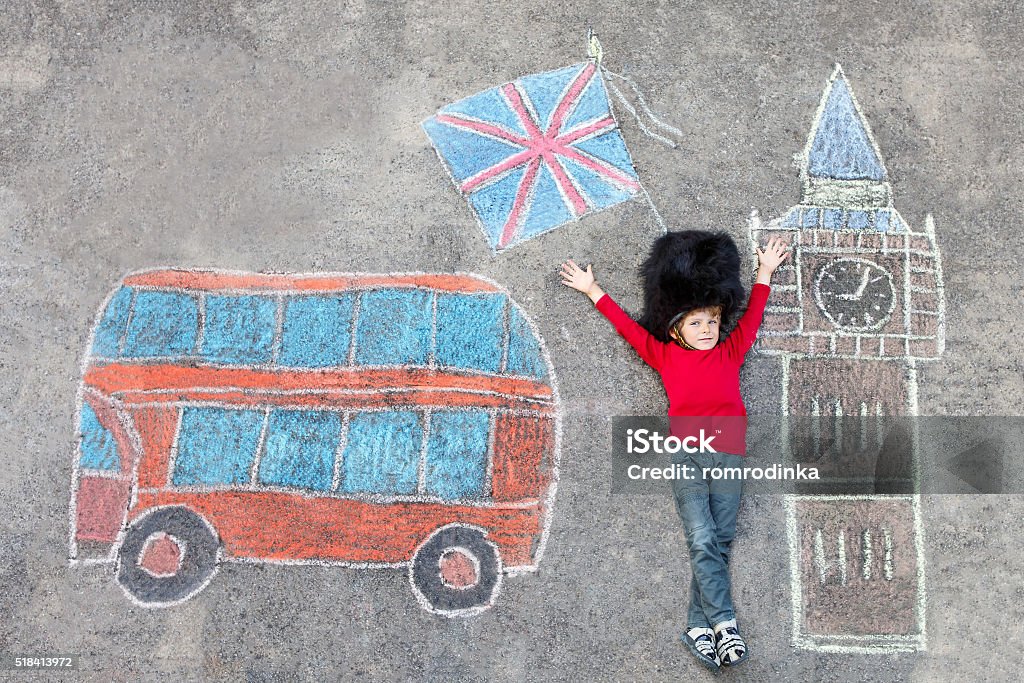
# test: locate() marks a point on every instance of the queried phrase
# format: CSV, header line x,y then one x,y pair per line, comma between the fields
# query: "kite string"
x,y
650,133
654,209
643,107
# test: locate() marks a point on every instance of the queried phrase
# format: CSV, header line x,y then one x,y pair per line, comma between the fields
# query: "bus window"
x,y
239,329
457,453
300,449
316,331
216,445
111,327
162,324
99,450
394,327
524,354
470,333
382,452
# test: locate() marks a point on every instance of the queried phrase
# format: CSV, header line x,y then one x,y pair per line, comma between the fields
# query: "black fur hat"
x,y
687,270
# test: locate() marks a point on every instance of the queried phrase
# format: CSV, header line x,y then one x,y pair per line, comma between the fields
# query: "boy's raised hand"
x,y
581,280
769,258
577,278
774,253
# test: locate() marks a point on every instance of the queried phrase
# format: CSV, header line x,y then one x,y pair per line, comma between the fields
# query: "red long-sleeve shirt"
x,y
700,382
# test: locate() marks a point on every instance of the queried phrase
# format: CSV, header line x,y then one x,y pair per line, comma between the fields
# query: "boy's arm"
x,y
650,349
742,338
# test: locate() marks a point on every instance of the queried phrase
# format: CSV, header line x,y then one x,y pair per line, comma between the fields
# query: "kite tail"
x,y
595,53
647,131
643,108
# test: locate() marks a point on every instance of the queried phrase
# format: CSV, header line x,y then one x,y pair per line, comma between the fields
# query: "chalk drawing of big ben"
x,y
853,313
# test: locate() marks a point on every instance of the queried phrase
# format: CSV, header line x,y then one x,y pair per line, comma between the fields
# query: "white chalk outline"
x,y
545,503
421,462
257,457
867,643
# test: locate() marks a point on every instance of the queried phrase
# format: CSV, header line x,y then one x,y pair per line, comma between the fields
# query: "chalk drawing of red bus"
x,y
397,420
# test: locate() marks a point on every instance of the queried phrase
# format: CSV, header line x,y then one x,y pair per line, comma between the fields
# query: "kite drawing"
x,y
538,152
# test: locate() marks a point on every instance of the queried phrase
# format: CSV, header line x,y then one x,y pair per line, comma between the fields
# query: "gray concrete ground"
x,y
285,136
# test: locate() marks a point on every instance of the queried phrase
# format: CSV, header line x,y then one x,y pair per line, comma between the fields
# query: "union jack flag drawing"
x,y
535,153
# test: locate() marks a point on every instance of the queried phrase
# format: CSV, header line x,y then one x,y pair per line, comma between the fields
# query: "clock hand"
x,y
860,290
863,285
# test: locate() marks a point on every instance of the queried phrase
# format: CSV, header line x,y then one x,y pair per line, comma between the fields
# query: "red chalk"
x,y
161,555
102,503
457,569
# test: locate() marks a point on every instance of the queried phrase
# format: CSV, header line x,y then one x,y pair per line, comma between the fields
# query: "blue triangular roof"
x,y
841,146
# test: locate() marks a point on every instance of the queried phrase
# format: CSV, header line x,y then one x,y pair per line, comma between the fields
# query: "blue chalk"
x,y
524,352
466,152
216,445
593,99
239,329
394,327
548,208
98,448
382,453
493,202
841,147
833,219
457,454
882,221
489,106
858,220
609,147
545,90
470,331
111,325
163,324
896,223
596,188
792,219
316,331
300,449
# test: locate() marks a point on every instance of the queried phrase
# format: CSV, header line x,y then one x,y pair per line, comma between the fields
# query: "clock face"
x,y
855,294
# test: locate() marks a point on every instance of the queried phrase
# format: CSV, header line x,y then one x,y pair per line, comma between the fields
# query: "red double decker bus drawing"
x,y
396,420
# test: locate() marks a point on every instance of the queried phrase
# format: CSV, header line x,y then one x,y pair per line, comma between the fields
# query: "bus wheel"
x,y
168,555
456,572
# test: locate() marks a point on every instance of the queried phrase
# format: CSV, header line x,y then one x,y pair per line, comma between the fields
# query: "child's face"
x,y
699,329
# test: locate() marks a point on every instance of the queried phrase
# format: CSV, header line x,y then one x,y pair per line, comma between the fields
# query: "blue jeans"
x,y
708,509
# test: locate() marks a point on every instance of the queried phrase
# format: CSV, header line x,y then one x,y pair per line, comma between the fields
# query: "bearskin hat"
x,y
687,270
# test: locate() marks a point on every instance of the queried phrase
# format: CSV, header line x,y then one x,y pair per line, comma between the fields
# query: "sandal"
x,y
729,643
701,641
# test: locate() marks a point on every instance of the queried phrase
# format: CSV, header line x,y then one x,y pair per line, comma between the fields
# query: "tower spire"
x,y
841,164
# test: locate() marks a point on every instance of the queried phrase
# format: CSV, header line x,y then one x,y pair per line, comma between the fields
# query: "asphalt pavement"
x,y
286,137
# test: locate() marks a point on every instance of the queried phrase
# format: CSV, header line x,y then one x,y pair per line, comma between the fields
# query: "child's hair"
x,y
713,311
